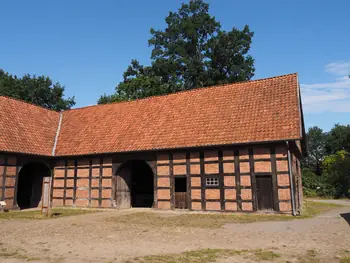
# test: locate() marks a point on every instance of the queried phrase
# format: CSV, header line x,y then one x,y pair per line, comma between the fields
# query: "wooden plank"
x,y
123,185
221,181
90,181
180,200
253,179
265,195
238,180
201,157
100,183
15,205
45,200
188,176
153,166
172,182
75,181
4,178
274,179
65,182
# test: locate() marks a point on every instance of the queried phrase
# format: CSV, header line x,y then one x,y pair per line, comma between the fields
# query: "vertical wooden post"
x,y
46,202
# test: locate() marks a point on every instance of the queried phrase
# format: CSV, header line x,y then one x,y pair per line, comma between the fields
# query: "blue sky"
x,y
86,45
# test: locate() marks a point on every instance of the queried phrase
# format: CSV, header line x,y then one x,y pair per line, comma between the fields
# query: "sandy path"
x,y
94,238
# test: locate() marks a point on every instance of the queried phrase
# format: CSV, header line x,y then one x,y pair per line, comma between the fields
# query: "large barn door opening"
x,y
264,192
134,185
30,184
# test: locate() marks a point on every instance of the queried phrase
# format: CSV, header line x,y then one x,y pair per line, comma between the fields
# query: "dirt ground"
x,y
99,237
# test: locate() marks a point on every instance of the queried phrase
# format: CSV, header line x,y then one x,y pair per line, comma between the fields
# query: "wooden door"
x,y
181,200
264,192
123,184
181,192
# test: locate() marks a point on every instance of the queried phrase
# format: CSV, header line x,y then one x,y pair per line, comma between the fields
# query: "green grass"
x,y
18,254
312,208
55,213
266,255
345,259
194,220
309,257
207,255
216,220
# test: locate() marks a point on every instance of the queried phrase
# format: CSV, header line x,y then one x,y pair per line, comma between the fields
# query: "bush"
x,y
314,185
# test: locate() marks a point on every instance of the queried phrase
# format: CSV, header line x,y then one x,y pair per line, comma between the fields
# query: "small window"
x,y
212,181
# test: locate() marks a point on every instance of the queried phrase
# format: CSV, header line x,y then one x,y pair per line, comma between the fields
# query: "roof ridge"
x,y
26,102
184,91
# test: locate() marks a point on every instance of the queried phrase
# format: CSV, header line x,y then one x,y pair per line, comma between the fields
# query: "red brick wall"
x,y
234,169
8,171
83,182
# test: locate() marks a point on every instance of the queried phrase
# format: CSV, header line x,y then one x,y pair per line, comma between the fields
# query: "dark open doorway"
x,y
30,182
134,185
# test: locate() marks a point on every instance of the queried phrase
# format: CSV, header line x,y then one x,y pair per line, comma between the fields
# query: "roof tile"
x,y
253,111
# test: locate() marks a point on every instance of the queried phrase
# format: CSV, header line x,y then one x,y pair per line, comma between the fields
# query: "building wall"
x,y
8,174
297,177
83,182
90,181
235,169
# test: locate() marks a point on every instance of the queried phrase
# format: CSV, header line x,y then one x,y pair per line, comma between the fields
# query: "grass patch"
x,y
206,255
18,254
345,259
195,220
217,220
309,257
312,208
266,255
55,213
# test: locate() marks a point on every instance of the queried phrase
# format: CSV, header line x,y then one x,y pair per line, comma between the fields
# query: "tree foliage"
x,y
326,169
316,142
37,90
192,51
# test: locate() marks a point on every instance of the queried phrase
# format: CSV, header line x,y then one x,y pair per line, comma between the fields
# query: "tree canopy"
x,y
326,169
37,90
192,51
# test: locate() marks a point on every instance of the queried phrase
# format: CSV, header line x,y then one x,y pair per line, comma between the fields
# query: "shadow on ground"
x,y
346,217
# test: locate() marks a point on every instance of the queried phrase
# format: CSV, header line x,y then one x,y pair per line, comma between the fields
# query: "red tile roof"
x,y
246,112
26,128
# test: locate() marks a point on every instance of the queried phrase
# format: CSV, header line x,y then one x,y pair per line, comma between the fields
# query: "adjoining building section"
x,y
235,147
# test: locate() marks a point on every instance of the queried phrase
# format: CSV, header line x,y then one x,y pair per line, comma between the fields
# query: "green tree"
x,y
37,90
316,140
338,139
337,172
192,51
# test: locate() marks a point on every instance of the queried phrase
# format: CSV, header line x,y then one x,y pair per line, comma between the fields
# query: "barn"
x,y
232,148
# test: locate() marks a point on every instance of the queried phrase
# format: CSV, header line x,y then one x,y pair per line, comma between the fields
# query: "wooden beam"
x,y
221,181
100,183
274,179
238,180
202,173
4,178
188,180
172,181
75,181
65,182
253,179
90,181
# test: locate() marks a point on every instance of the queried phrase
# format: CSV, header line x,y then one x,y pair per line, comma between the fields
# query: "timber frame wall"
x,y
89,181
235,169
83,182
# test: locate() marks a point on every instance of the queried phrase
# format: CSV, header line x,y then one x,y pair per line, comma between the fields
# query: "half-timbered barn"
x,y
234,147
